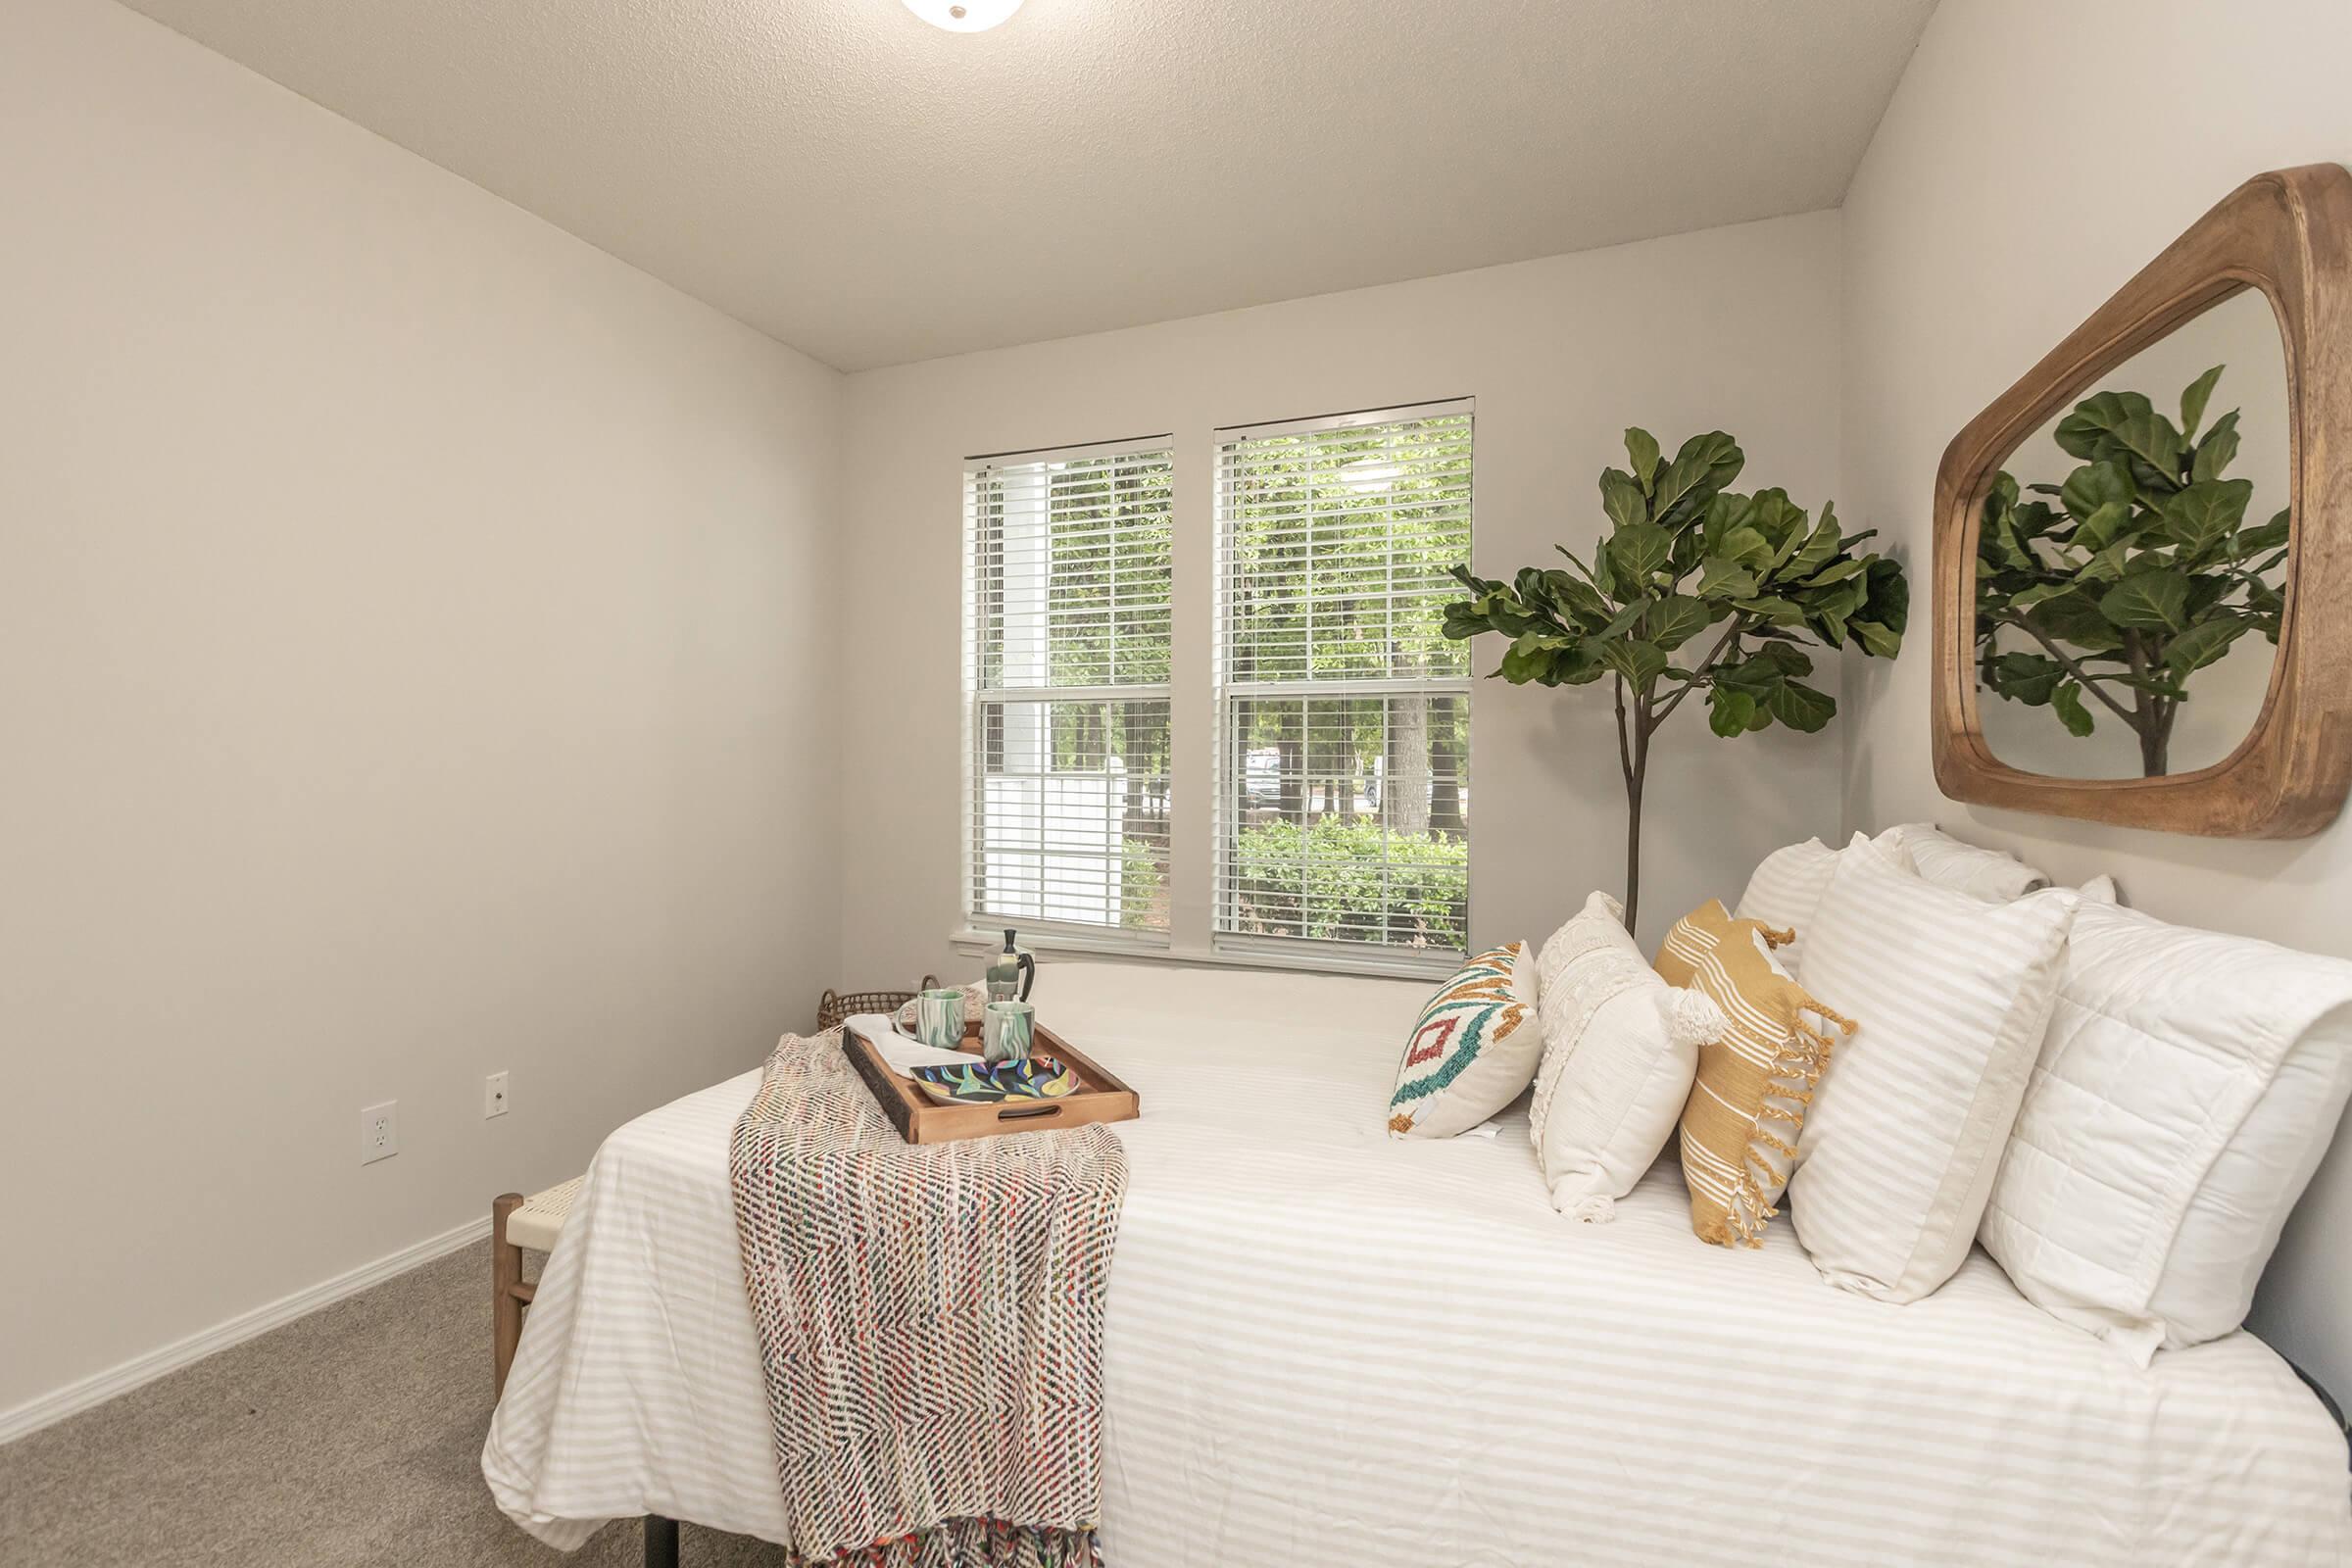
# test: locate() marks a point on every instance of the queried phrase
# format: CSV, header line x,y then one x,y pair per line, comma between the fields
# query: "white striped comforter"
x,y
1328,1347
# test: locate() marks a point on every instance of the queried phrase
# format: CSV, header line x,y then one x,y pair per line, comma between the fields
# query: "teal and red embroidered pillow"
x,y
1474,1048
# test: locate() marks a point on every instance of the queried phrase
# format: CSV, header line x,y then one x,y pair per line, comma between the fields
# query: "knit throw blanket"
x,y
930,1324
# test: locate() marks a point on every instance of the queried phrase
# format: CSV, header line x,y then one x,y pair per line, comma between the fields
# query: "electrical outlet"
x,y
494,1094
379,1132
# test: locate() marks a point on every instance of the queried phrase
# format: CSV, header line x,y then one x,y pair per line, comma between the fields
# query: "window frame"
x,y
1307,952
982,928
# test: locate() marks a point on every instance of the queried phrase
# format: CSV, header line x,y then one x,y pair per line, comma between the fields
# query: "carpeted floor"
x,y
352,1436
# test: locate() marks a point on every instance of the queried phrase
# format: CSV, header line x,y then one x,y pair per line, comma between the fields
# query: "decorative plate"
x,y
985,1083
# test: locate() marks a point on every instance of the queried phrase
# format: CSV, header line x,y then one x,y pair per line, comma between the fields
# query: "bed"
x,y
1326,1345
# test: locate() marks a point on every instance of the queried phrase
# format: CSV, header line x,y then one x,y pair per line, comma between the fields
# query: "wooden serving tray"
x,y
1101,1097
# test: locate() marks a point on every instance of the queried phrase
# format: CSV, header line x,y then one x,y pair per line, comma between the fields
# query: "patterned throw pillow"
x,y
1739,1126
1473,1049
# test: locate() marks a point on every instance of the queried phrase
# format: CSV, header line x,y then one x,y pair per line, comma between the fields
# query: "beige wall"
x,y
1733,329
2034,158
411,637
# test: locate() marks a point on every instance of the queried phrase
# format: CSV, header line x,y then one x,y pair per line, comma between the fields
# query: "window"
x,y
1343,795
1066,674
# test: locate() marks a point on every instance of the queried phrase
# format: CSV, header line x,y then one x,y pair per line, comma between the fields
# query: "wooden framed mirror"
x,y
2143,549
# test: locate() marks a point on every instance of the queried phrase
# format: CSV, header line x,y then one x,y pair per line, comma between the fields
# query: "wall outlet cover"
x,y
494,1094
379,1132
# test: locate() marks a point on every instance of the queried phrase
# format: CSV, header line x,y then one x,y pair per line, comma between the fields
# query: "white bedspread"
x,y
1328,1347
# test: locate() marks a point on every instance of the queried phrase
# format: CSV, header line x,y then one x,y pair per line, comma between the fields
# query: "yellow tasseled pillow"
x,y
1740,1125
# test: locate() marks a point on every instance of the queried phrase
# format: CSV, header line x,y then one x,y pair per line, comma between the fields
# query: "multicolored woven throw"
x,y
930,1323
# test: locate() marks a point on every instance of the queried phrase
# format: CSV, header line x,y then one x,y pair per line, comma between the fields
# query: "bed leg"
x,y
506,1311
660,1541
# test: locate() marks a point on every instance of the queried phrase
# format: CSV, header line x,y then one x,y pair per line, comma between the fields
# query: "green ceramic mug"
x,y
1007,1031
939,1018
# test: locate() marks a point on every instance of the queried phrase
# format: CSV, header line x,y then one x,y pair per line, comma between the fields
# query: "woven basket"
x,y
834,1006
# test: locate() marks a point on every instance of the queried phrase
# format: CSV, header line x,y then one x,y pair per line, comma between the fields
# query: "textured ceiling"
x,y
870,189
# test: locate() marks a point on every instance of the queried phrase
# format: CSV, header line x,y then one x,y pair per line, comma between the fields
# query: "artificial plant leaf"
x,y
1720,578
2089,431
2027,678
1820,547
1772,608
1529,658
2201,645
1622,498
1800,707
1727,510
2192,401
2267,536
2034,518
2151,438
2107,566
1623,621
2026,599
2094,485
1875,639
2204,515
1638,550
2103,527
1704,465
1574,597
1674,619
2152,599
1781,521
2074,617
1605,574
1837,571
1640,662
1887,599
2067,703
1746,546
1729,712
2217,450
2107,424
1643,448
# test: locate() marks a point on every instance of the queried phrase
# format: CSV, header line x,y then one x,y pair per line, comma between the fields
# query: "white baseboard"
x,y
100,1387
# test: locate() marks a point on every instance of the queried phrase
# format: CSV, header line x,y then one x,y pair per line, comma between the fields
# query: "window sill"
x,y
1273,955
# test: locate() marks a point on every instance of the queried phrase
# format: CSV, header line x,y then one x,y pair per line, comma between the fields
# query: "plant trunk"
x,y
2151,717
1633,756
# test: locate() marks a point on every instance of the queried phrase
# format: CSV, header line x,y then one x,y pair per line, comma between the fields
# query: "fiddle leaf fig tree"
x,y
2131,576
1694,588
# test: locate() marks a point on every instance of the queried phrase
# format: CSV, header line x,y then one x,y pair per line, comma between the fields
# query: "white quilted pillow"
x,y
1950,998
2188,1086
1620,1049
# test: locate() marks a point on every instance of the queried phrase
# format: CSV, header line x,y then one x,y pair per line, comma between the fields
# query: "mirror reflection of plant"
x,y
1686,555
2142,573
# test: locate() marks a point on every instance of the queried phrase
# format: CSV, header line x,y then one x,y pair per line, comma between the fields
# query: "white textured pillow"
x,y
1992,876
1620,1049
1785,890
1949,997
2188,1087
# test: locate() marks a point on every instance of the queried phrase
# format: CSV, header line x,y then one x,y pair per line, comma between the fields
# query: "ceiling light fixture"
x,y
963,16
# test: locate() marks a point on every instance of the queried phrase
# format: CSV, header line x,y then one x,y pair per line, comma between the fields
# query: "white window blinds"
x,y
1343,795
1066,676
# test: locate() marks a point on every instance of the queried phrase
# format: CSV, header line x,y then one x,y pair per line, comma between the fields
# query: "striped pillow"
x,y
1472,1051
1899,1152
1741,1123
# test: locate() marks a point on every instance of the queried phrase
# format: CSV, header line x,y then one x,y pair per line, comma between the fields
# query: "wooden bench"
x,y
518,1222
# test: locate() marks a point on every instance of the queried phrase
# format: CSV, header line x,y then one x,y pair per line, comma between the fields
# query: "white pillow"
x,y
2188,1084
1949,997
1620,1049
1785,891
1992,876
